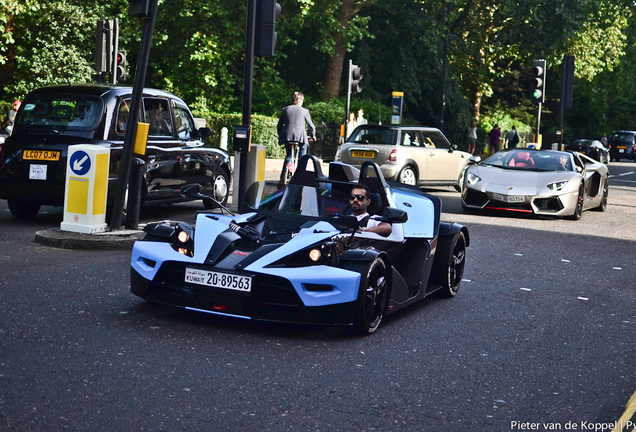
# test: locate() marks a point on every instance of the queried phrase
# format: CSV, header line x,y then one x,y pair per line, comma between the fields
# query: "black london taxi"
x,y
33,160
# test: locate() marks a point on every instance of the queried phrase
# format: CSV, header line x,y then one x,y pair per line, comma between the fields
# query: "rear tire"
x,y
408,176
21,209
220,188
603,205
449,264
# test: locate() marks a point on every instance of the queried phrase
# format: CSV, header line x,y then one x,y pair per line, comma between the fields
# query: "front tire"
x,y
578,210
372,295
21,209
460,187
408,176
449,264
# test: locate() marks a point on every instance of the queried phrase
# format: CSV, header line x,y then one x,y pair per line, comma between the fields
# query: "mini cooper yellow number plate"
x,y
363,154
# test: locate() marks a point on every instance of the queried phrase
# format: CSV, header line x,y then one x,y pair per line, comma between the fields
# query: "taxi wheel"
x,y
221,184
21,209
408,176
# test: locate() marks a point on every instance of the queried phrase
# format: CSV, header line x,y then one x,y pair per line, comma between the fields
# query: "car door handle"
x,y
431,154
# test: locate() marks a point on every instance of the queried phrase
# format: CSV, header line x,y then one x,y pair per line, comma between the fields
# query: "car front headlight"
x,y
180,235
319,254
472,179
557,186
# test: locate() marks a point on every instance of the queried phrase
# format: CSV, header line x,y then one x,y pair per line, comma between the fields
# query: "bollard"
x,y
134,193
224,138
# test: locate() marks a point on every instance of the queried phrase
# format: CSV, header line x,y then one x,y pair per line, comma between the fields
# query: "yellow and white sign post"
x,y
86,189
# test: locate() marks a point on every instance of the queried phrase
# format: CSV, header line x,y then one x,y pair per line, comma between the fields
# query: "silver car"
x,y
412,155
543,182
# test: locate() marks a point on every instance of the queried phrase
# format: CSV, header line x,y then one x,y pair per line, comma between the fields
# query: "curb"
x,y
55,237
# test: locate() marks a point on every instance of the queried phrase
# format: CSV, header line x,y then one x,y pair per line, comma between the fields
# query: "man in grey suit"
x,y
291,129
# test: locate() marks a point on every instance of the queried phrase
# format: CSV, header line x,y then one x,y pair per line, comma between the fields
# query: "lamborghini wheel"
x,y
460,186
603,205
372,296
578,210
450,260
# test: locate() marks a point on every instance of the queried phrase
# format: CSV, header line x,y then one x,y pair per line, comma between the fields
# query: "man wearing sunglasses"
x,y
360,200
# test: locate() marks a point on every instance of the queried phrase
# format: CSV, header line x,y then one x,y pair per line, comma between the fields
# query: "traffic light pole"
x,y
113,61
539,122
248,78
348,100
131,129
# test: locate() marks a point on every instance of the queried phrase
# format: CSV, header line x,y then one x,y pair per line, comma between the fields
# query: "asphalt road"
x,y
541,334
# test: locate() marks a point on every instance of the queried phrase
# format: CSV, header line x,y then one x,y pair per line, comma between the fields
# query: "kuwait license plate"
x,y
509,198
363,154
41,155
218,279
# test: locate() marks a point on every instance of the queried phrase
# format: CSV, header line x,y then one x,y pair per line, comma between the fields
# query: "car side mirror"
x,y
452,148
394,215
203,132
475,159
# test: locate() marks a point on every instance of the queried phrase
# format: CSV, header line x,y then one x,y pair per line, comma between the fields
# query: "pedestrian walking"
x,y
351,124
512,138
361,120
494,136
471,137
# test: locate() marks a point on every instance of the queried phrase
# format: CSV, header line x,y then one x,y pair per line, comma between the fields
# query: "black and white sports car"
x,y
295,255
543,182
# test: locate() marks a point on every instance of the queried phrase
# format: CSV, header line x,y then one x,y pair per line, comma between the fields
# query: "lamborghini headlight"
x,y
472,179
557,186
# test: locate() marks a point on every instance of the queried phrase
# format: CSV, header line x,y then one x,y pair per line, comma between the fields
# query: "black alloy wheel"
x,y
450,261
372,295
460,187
603,205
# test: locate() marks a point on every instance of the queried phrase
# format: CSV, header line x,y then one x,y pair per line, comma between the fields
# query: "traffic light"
x,y
538,81
355,76
104,46
121,65
267,12
139,8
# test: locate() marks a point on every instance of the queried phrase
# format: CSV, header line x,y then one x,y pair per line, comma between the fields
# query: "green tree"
x,y
53,42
